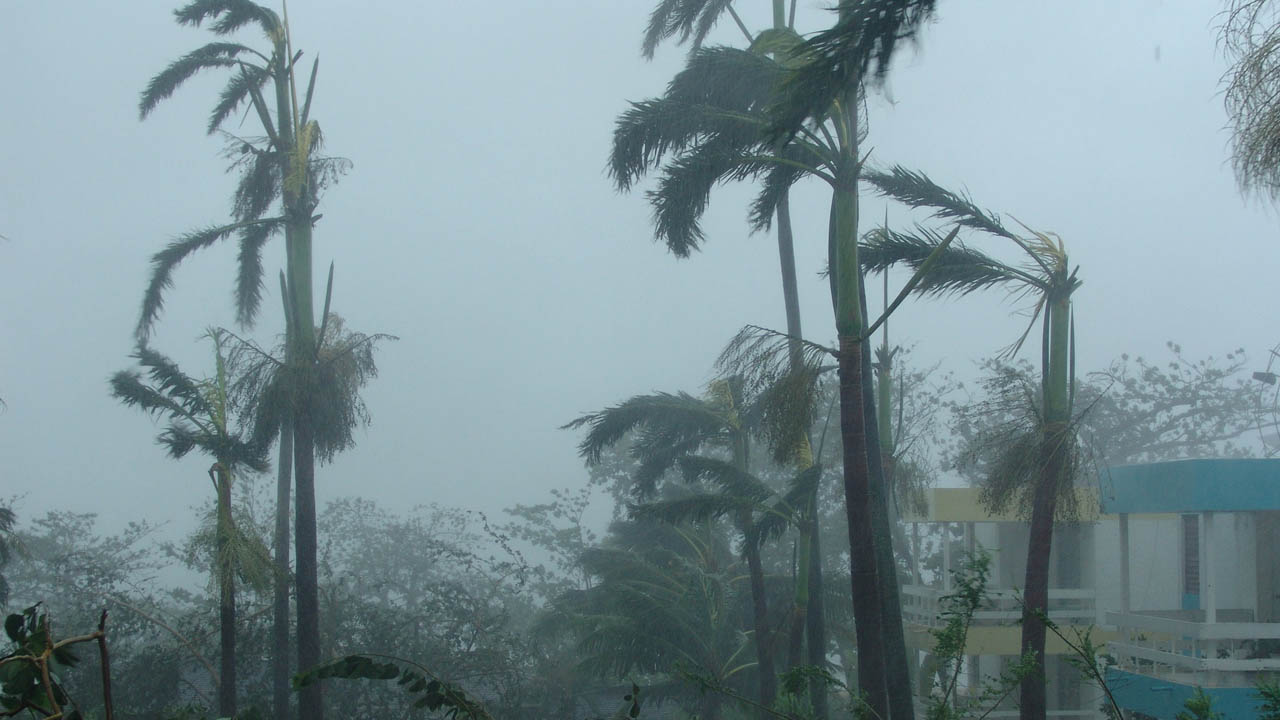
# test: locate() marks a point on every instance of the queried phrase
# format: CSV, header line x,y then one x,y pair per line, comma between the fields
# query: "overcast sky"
x,y
479,226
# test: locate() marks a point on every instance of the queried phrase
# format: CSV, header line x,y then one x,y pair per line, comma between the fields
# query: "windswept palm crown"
x,y
196,409
285,155
960,269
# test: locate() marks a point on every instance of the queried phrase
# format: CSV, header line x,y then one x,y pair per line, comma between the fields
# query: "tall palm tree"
x,y
1045,460
198,417
722,119
663,601
692,20
673,428
283,166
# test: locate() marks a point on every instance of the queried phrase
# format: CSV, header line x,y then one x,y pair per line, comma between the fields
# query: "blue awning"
x,y
1177,486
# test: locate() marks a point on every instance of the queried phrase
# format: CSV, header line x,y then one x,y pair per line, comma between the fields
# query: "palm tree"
x,y
721,119
1251,36
672,428
1046,458
663,602
284,166
199,420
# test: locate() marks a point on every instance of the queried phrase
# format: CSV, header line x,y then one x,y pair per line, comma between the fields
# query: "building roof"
x,y
1214,485
965,505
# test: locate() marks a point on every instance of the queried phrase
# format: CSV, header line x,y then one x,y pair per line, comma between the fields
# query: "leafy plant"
x,y
28,680
429,691
1199,707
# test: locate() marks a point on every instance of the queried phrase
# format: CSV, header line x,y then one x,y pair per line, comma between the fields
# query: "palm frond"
x,y
167,260
164,84
726,78
684,190
857,48
916,190
685,18
731,480
237,90
784,514
231,16
777,181
168,379
760,356
699,507
678,417
959,269
646,132
129,387
783,412
249,269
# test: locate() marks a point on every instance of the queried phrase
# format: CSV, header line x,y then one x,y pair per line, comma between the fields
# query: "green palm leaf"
x,y
836,60
231,16
213,55
239,88
678,417
690,19
958,269
731,481
916,190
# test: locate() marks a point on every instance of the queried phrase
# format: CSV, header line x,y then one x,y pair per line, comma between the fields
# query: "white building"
x,y
1175,565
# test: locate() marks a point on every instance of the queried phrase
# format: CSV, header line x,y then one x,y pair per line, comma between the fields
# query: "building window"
x,y
1191,554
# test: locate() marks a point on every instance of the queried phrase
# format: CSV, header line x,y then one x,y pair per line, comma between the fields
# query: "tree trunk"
x,y
309,700
280,690
1055,449
817,623
868,622
298,210
759,599
800,603
897,666
226,598
760,622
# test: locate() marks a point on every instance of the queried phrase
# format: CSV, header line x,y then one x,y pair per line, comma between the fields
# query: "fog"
x,y
478,225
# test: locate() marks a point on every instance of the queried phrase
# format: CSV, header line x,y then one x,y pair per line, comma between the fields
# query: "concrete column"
x,y
1208,583
915,553
1124,564
946,557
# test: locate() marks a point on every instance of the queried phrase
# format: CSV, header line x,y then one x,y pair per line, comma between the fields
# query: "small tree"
x,y
198,416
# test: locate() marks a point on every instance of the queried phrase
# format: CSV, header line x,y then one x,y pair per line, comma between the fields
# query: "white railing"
x,y
1176,645
922,605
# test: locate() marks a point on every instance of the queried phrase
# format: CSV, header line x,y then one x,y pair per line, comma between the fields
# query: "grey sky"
x,y
479,226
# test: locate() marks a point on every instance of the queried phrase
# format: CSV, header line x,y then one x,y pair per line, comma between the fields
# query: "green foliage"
x,y
1269,693
428,691
957,611
30,672
1199,707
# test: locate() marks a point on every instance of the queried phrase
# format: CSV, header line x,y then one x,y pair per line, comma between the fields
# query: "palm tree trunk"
x,y
227,598
790,289
817,623
297,206
280,604
898,670
309,698
845,276
759,601
1054,454
760,622
800,604
862,555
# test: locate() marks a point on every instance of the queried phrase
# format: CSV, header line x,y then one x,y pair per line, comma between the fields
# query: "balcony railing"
x,y
922,605
1165,642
